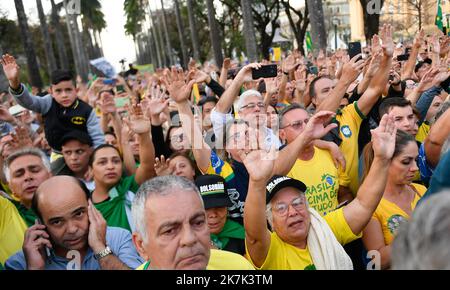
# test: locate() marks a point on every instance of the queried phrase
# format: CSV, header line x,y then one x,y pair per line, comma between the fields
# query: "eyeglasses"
x,y
253,105
177,138
298,203
296,125
237,135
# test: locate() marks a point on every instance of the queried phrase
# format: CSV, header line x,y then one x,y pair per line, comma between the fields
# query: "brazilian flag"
x,y
438,20
309,45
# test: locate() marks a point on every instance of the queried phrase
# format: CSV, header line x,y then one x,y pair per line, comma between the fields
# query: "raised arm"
x,y
140,125
180,92
439,133
224,72
408,69
259,165
350,72
230,94
359,212
381,78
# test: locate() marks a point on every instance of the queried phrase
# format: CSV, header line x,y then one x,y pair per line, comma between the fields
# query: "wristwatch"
x,y
107,251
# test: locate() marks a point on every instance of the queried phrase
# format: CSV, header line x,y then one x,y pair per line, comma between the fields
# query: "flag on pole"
x,y
438,19
309,45
195,94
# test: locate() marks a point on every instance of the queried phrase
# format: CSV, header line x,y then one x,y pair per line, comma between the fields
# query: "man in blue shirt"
x,y
73,234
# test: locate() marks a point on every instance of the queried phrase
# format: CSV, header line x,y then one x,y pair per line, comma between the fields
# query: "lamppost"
x,y
335,22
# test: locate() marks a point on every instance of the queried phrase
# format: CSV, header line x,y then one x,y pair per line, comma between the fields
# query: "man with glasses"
x,y
301,238
327,185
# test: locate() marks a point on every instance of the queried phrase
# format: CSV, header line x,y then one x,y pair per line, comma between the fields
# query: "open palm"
x,y
316,128
10,67
383,138
137,122
259,163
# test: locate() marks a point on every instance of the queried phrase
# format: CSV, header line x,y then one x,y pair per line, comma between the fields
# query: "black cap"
x,y
213,191
421,63
81,136
205,100
278,182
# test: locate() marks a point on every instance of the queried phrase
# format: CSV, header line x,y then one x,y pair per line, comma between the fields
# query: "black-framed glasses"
x,y
298,203
296,125
253,105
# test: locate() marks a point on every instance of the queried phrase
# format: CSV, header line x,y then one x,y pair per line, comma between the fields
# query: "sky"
x,y
116,45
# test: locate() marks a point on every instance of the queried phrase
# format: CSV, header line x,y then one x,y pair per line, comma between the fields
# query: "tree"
x,y
416,9
318,33
298,22
49,54
249,30
214,33
33,67
192,28
266,12
184,59
166,32
93,21
158,46
371,15
62,53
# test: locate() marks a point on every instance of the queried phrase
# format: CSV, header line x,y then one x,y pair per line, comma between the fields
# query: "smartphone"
x,y
121,102
266,71
402,57
313,70
354,48
48,252
120,89
109,82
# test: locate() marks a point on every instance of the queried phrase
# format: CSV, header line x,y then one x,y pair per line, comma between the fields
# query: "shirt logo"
x,y
346,131
78,120
394,222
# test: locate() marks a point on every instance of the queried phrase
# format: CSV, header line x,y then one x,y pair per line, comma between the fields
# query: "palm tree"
x,y
166,33
49,54
194,36
249,30
33,67
154,33
62,54
93,21
214,33
135,15
318,34
184,61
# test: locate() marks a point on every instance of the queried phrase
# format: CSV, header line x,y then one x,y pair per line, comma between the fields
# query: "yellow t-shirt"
x,y
283,256
350,121
12,230
322,179
424,129
220,260
390,216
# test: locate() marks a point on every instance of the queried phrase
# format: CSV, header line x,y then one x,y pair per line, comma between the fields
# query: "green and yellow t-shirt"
x,y
391,216
12,230
350,119
284,256
117,209
424,129
322,179
27,214
219,260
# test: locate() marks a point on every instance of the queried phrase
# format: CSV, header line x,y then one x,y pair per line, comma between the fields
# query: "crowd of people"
x,y
318,167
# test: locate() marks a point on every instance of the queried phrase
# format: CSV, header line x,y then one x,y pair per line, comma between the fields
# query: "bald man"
x,y
72,233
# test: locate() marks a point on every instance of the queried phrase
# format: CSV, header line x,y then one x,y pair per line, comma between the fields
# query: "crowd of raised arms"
x,y
319,167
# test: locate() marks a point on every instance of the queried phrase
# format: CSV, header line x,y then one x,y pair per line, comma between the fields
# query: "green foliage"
x,y
93,17
135,13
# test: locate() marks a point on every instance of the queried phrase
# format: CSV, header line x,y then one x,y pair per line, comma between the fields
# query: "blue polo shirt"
x,y
119,241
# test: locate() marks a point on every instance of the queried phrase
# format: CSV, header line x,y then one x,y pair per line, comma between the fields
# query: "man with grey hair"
x,y
422,243
250,107
172,231
25,170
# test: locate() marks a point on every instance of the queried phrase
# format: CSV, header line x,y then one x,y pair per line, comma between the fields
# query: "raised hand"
x,y
441,76
22,137
199,76
175,83
157,103
316,128
226,63
136,121
418,40
352,69
162,166
11,70
245,74
300,79
374,64
383,138
97,229
5,115
107,104
388,43
259,163
290,63
271,85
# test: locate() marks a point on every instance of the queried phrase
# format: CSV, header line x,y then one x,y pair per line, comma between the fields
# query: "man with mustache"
x,y
172,230
73,234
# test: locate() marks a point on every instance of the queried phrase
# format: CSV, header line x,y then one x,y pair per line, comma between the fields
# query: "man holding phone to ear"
x,y
74,231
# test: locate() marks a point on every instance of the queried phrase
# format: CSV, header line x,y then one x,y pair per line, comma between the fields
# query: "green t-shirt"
x,y
231,229
116,209
28,215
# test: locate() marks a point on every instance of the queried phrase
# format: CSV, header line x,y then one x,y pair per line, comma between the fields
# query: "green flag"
x,y
309,45
438,20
